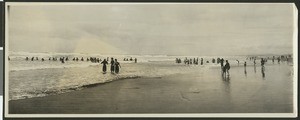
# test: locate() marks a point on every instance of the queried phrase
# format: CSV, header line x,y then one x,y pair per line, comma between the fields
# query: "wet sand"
x,y
204,91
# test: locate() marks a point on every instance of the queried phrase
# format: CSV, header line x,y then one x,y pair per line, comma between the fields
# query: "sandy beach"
x,y
203,91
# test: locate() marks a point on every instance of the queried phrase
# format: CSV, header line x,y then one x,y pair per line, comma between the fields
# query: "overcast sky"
x,y
172,29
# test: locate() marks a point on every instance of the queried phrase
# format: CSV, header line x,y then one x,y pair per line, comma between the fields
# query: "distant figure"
x,y
27,58
73,59
36,58
278,59
238,62
222,62
76,58
218,60
135,60
124,59
201,61
104,62
63,60
254,62
263,72
82,59
117,65
273,59
67,59
213,60
245,64
42,59
112,65
227,67
262,62
131,59
49,58
207,61
32,58
87,59
8,58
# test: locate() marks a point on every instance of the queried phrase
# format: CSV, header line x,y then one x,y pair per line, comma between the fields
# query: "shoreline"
x,y
201,92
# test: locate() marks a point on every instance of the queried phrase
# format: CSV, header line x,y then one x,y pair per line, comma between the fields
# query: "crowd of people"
x,y
114,64
224,68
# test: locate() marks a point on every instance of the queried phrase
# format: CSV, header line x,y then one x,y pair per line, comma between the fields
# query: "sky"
x,y
163,29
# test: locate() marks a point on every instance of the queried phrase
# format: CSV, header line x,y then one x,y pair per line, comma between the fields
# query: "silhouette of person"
x,y
135,60
263,72
117,65
262,62
222,62
104,62
227,67
112,65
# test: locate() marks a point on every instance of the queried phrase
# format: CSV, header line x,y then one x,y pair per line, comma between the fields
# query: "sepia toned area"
x,y
150,58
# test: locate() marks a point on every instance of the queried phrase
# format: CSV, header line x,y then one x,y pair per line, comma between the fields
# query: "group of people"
x,y
114,65
224,68
126,59
64,59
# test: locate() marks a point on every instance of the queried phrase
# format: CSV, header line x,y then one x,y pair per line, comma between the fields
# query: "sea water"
x,y
38,78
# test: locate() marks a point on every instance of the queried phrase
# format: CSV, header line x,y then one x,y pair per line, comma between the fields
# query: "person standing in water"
x,y
135,60
262,62
117,65
104,62
112,65
227,67
222,62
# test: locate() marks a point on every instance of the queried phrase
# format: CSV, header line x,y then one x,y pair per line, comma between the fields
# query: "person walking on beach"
x,y
135,60
104,62
112,65
201,61
227,67
117,65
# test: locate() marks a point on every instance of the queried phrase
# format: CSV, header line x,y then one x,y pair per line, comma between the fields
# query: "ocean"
x,y
38,78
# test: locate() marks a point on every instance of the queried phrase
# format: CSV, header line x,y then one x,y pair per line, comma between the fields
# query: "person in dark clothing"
x,y
27,58
104,62
227,67
201,61
262,62
117,66
135,60
222,62
42,59
112,65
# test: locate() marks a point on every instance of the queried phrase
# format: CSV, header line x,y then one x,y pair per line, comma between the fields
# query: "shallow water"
x,y
29,79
